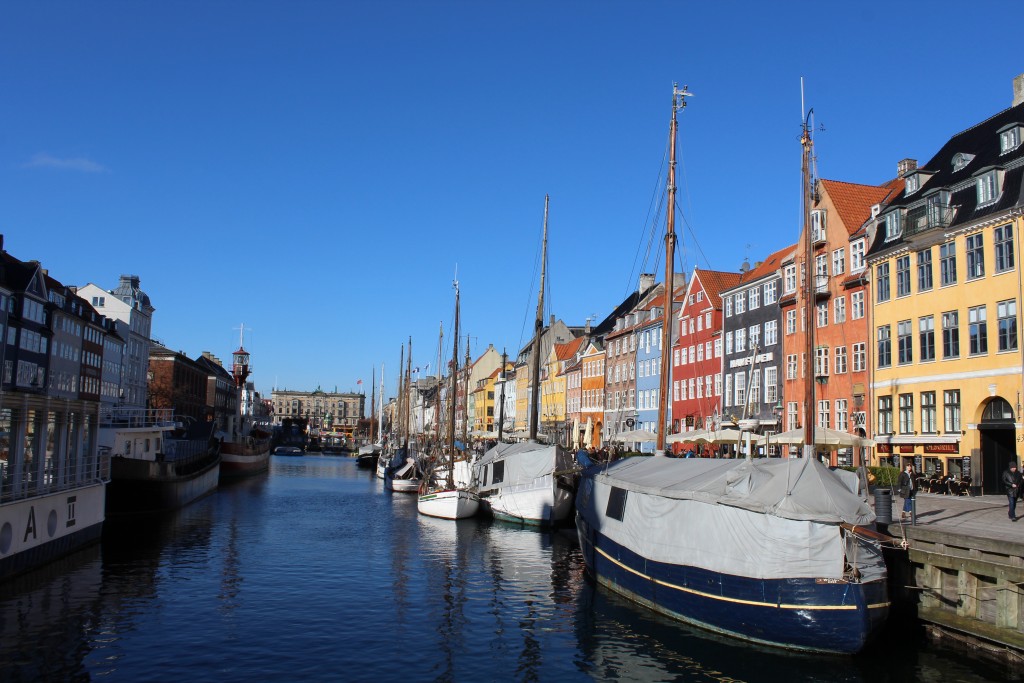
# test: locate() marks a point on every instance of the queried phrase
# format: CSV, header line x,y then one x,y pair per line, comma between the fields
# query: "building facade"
x,y
345,409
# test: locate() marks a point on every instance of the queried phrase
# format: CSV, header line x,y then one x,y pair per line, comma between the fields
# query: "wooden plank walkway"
x,y
979,516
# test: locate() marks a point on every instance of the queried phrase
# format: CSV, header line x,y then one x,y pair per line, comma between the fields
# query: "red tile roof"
x,y
714,282
853,202
568,350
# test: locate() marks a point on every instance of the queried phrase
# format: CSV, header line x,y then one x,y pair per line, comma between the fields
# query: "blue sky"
x,y
318,170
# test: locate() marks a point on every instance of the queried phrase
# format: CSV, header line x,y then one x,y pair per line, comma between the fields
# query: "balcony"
x,y
924,218
821,290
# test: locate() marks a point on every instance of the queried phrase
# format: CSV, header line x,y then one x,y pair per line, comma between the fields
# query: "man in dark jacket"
x,y
1014,483
908,490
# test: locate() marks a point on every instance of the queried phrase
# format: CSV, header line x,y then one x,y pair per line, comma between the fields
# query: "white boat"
x,y
769,551
528,482
443,496
403,474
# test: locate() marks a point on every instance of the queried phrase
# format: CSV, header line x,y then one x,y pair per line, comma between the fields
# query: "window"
x,y
857,256
769,293
913,184
789,282
885,414
904,345
741,339
821,311
718,348
498,473
616,503
893,225
839,261
975,257
791,321
771,333
1003,239
951,411
754,336
791,366
857,305
947,264
884,346
839,310
818,225
821,361
718,384
842,420
926,337
882,282
728,343
771,390
903,275
840,362
860,357
977,333
823,414
739,304
924,270
727,396
753,298
728,306
906,413
961,159
1006,313
791,415
754,395
951,334
928,425
1009,140
988,187
740,382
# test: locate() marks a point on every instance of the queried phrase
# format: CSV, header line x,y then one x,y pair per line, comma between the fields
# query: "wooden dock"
x,y
963,573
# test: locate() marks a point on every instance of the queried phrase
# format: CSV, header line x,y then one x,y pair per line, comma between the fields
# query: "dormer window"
x,y
893,225
989,187
818,225
1009,138
961,160
913,183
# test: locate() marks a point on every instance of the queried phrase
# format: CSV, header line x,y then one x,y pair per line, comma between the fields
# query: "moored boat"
x,y
156,462
246,451
765,550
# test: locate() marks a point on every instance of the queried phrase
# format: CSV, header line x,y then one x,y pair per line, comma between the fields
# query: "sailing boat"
x,y
440,496
246,450
529,482
402,475
370,453
766,550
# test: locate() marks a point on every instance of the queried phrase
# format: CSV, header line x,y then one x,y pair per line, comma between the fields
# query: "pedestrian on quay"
x,y
1014,483
908,490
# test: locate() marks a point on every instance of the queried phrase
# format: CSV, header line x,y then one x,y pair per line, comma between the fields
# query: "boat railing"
x,y
131,417
36,478
177,450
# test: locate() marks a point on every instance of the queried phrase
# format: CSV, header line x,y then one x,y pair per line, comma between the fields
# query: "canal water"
x,y
313,572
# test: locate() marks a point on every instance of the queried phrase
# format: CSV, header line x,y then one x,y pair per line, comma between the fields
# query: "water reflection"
x,y
316,573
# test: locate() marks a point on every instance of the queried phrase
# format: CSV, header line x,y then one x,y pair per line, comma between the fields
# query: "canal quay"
x,y
313,571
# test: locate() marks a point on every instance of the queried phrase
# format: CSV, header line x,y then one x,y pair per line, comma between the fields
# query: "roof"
x,y
714,282
765,268
853,202
567,351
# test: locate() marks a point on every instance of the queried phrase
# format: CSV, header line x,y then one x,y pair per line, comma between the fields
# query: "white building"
x,y
130,305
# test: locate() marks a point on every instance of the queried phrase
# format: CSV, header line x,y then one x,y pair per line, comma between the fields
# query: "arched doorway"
x,y
997,443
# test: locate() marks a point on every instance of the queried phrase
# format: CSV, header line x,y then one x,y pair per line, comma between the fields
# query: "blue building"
x,y
648,371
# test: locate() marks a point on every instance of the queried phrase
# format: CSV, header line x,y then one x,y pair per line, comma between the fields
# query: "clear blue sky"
x,y
316,170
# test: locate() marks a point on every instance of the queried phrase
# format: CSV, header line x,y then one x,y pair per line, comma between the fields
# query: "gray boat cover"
x,y
763,518
525,461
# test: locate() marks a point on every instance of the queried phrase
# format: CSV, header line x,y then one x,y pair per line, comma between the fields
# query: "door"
x,y
998,445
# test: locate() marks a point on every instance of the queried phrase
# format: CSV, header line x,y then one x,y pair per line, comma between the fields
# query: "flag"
x,y
359,381
426,367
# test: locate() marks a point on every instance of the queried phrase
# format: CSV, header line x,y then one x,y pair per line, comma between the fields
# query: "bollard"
x,y
883,506
913,511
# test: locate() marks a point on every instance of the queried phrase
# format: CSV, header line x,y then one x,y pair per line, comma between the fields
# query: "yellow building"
x,y
483,418
552,389
945,288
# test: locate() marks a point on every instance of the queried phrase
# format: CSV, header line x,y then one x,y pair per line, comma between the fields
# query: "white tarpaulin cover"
x,y
757,518
524,461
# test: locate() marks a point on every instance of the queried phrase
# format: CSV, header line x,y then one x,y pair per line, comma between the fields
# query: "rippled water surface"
x,y
313,572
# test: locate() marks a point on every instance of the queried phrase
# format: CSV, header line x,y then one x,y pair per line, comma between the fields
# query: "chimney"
x,y
552,320
905,166
1018,90
646,281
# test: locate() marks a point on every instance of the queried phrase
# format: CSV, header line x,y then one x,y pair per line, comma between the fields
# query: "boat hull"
x,y
543,502
814,615
35,531
452,504
403,485
244,460
150,486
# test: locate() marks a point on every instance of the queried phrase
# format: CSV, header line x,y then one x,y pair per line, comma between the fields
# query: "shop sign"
x,y
951,448
883,448
906,448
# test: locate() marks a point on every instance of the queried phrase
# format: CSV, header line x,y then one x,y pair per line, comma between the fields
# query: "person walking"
x,y
1014,483
908,490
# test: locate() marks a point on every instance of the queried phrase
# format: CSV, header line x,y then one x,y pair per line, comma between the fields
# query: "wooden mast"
x,y
538,329
678,102
408,394
465,400
809,282
437,385
373,397
396,417
454,376
504,379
